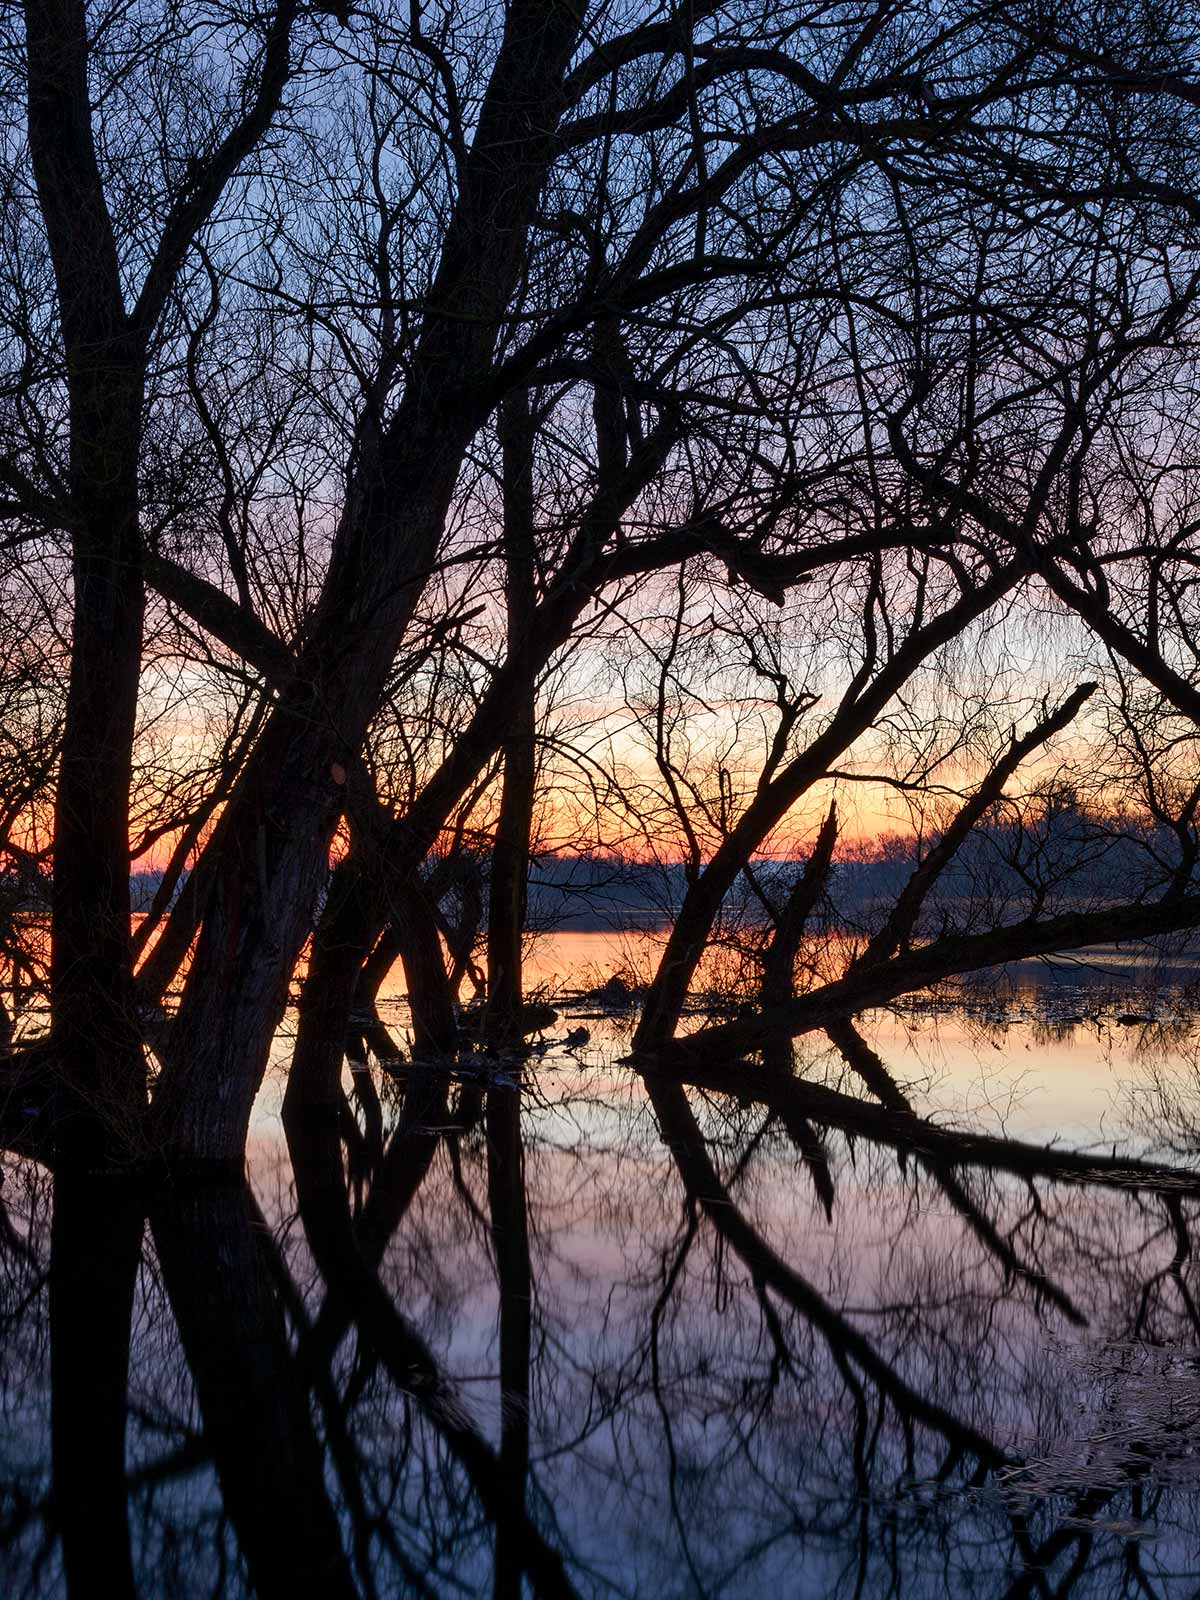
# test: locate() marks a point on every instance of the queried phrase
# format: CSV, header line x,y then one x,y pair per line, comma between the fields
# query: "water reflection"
x,y
559,1330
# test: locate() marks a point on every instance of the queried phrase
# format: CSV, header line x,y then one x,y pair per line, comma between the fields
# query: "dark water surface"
x,y
562,1331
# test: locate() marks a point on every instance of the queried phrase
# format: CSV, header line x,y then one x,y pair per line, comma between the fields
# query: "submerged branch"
x,y
943,958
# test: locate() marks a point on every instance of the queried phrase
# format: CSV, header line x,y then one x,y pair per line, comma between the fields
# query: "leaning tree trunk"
x,y
706,894
275,858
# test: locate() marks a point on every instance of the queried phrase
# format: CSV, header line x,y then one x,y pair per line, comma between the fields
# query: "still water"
x,y
557,1329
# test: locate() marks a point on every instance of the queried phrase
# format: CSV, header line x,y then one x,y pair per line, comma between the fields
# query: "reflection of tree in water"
x,y
677,1343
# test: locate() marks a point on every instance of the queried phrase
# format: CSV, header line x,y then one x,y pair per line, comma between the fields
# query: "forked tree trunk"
x,y
283,813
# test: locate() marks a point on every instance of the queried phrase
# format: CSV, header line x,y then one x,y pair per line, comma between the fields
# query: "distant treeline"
x,y
1066,856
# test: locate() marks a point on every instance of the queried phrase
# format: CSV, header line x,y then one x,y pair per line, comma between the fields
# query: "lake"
x,y
555,1328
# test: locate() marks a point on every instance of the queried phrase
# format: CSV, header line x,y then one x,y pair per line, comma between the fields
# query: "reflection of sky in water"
x,y
691,1437
1010,1065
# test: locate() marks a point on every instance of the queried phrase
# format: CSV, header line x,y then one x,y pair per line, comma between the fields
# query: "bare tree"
x,y
395,355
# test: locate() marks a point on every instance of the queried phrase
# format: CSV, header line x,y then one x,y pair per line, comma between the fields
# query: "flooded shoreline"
x,y
673,1341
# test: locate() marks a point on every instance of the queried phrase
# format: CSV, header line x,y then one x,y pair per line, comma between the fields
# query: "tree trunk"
x,y
510,852
96,1035
284,811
